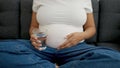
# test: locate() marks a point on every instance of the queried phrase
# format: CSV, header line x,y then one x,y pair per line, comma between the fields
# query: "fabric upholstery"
x,y
25,18
9,19
15,19
109,23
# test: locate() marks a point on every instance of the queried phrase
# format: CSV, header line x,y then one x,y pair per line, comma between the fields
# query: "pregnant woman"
x,y
67,23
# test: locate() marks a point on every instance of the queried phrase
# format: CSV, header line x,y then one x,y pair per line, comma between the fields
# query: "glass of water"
x,y
41,38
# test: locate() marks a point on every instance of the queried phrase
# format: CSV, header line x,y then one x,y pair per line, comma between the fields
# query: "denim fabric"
x,y
15,54
21,54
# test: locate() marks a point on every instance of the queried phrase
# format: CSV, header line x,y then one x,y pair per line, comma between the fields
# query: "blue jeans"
x,y
21,54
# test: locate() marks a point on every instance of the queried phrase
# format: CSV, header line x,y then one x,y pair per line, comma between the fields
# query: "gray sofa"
x,y
15,18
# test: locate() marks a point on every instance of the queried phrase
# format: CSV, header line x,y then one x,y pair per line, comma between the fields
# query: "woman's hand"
x,y
35,41
73,39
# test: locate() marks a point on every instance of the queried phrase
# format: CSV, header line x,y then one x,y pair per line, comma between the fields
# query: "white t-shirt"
x,y
59,18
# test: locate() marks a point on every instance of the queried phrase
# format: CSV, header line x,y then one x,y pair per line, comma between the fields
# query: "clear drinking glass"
x,y
41,38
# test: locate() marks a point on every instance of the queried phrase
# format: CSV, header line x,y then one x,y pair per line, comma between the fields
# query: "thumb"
x,y
34,37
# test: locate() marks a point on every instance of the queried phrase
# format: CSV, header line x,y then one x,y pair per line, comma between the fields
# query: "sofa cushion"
x,y
9,19
109,24
26,12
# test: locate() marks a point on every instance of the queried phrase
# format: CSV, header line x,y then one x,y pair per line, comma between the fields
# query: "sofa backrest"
x,y
9,19
109,24
15,19
25,18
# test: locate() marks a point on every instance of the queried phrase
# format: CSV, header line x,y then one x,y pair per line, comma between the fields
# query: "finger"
x,y
73,41
69,36
33,39
36,44
37,47
67,41
66,46
63,44
70,42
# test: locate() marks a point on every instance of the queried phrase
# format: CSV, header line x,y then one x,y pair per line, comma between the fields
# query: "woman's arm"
x,y
76,37
34,23
89,27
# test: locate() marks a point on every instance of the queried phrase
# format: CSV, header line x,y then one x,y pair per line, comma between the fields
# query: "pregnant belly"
x,y
57,33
